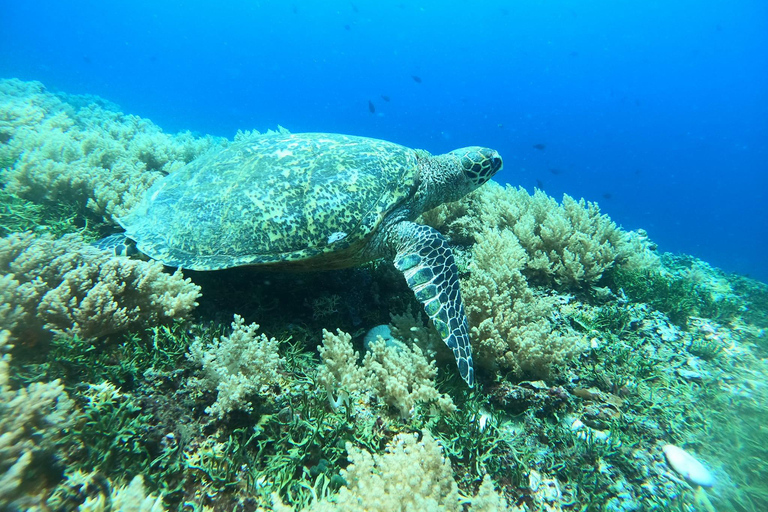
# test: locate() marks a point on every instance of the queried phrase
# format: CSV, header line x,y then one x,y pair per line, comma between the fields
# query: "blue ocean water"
x,y
657,110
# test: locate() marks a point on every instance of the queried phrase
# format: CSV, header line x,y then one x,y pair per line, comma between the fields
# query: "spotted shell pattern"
x,y
271,199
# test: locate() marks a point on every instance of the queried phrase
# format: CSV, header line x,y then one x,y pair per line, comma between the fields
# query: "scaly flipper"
x,y
426,261
118,244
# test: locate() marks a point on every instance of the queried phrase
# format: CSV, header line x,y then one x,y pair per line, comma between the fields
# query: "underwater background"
x,y
613,273
657,110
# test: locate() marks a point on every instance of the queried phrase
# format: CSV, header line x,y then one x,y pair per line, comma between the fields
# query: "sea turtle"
x,y
312,201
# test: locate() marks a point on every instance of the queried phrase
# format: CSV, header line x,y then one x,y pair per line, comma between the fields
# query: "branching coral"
x,y
519,239
128,498
411,475
236,366
398,374
95,493
31,418
69,287
57,151
569,244
339,371
512,326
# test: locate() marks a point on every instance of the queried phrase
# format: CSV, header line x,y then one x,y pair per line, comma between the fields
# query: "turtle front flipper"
x,y
426,261
117,244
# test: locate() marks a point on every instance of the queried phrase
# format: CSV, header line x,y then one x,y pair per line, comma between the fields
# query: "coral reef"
x,y
96,495
396,373
31,420
129,498
569,244
593,354
410,475
78,150
236,366
69,287
512,325
518,240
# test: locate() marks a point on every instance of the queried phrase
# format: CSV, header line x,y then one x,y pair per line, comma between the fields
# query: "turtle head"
x,y
477,164
459,172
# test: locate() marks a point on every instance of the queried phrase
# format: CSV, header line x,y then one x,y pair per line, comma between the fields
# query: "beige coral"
x,y
518,239
31,418
236,366
69,287
512,325
81,152
568,244
398,374
339,371
412,475
101,495
126,498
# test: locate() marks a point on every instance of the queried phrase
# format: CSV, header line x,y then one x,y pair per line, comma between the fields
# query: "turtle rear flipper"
x,y
426,261
118,243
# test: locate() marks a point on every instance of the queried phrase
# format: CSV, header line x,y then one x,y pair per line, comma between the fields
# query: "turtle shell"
x,y
313,199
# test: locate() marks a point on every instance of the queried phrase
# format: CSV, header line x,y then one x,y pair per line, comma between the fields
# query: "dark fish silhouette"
x,y
385,97
540,147
347,27
555,171
539,184
607,195
371,107
354,8
416,79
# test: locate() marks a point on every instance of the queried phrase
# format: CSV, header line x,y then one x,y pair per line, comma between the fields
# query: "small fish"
x,y
554,171
539,146
607,195
371,107
385,97
573,54
416,79
539,184
347,28
354,8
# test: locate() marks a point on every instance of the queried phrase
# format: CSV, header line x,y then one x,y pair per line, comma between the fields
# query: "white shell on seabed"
x,y
687,466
